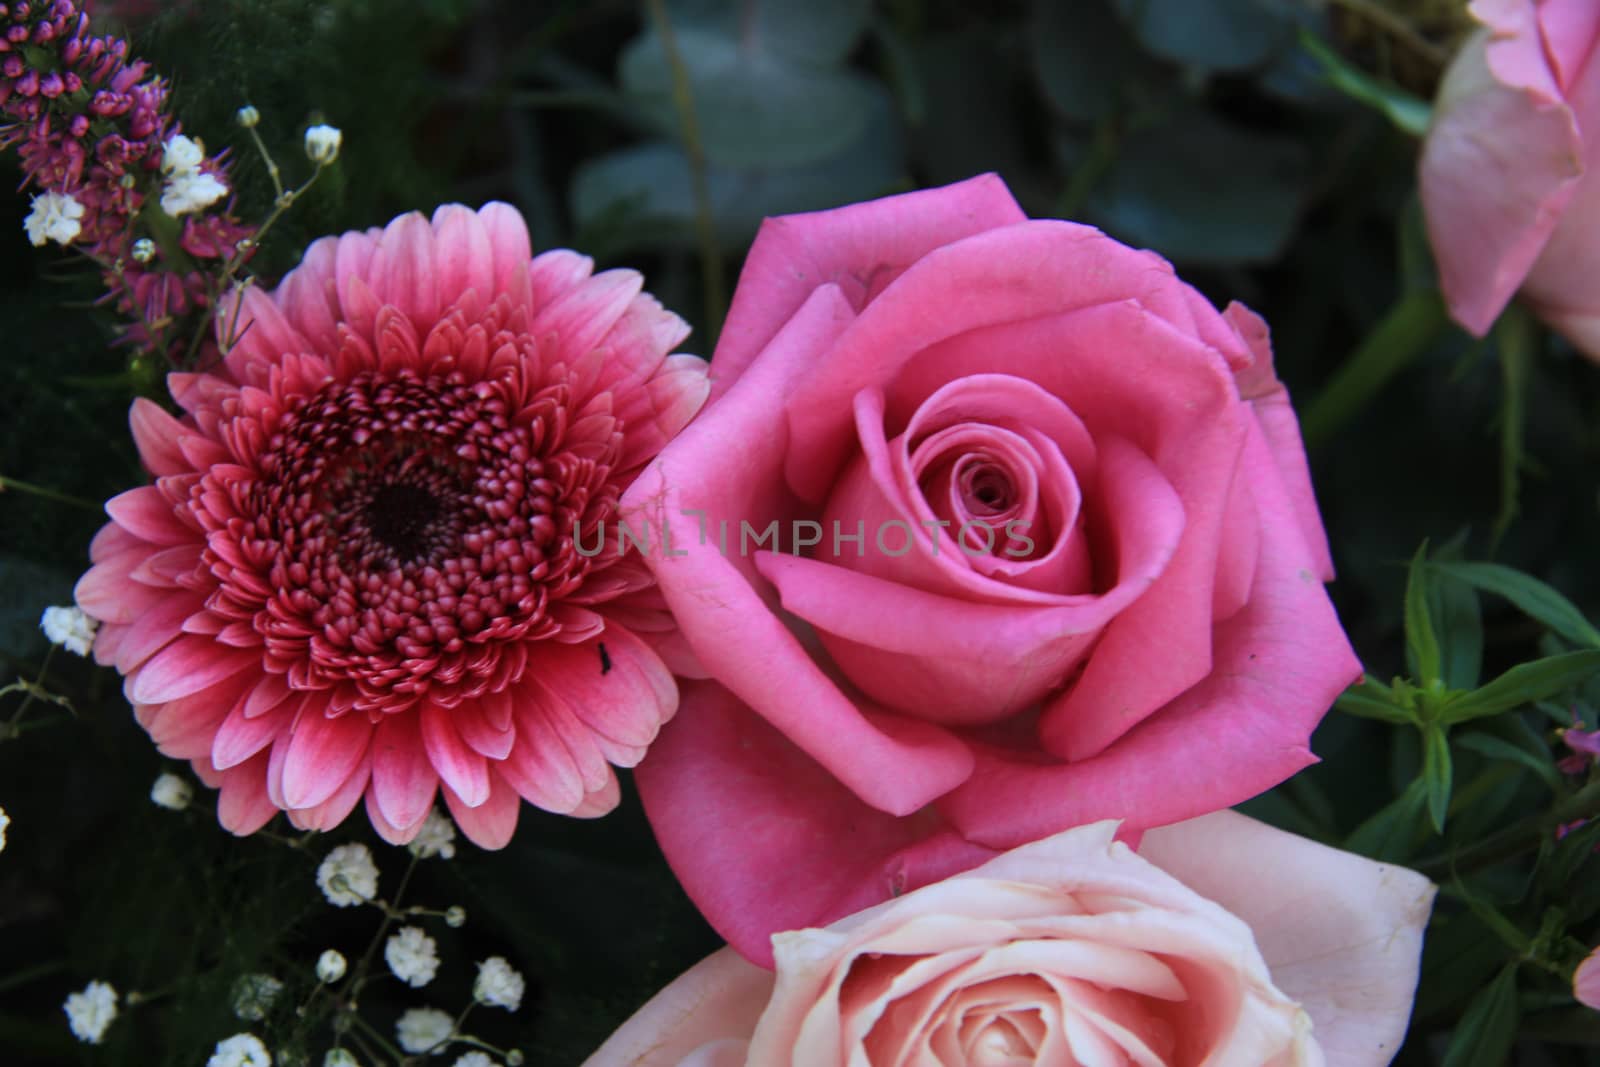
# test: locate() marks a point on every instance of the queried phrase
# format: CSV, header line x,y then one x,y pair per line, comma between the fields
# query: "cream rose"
x,y
1223,942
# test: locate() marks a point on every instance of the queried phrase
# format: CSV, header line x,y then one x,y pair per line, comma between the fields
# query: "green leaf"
x,y
1422,642
1408,112
1400,336
1504,751
1437,773
1392,833
642,197
1199,189
1531,596
818,32
1522,684
1458,621
1084,57
1487,1029
1370,699
755,108
1209,34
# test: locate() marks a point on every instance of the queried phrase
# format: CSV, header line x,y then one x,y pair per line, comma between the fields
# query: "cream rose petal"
x,y
703,1019
1341,934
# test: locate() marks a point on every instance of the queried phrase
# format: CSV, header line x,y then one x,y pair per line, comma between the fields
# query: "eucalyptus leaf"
x,y
1084,57
1197,188
1487,1029
754,107
1210,34
1531,596
642,197
1522,684
818,32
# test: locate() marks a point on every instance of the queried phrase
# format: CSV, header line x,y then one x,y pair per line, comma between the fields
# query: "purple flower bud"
x,y
80,126
28,84
51,85
43,33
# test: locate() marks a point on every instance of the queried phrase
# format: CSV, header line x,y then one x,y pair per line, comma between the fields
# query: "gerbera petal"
x,y
244,807
490,823
463,770
323,752
403,779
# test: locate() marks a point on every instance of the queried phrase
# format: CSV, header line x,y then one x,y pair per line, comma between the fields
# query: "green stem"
x,y
705,231
1408,328
1516,336
47,494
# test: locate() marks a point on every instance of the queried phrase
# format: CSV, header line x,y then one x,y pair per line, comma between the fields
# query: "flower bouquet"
x,y
737,535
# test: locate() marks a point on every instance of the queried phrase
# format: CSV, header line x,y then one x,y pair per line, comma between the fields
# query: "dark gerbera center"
x,y
410,528
405,518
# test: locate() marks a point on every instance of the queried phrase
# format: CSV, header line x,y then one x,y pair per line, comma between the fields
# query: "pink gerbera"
x,y
356,575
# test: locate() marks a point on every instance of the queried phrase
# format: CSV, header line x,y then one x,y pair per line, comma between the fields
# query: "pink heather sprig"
x,y
90,123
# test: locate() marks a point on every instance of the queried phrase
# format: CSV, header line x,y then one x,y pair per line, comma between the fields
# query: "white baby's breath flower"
x,y
436,838
423,1029
455,916
90,1011
70,628
323,143
330,965
171,792
240,1050
340,1057
181,155
54,218
474,1059
249,117
5,821
191,190
498,985
348,876
412,955
253,995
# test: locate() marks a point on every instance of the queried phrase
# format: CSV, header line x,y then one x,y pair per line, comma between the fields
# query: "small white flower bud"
x,y
144,250
330,965
171,792
323,143
248,117
455,916
70,628
340,1057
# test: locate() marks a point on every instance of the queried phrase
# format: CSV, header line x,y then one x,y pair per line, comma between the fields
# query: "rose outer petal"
x,y
1500,163
1341,933
860,249
763,838
716,1002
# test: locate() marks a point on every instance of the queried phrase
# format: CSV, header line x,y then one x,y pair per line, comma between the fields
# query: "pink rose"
x,y
1226,943
1506,169
1122,616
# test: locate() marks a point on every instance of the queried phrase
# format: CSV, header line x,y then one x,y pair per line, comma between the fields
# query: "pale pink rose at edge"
x,y
1507,173
1586,981
1253,924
